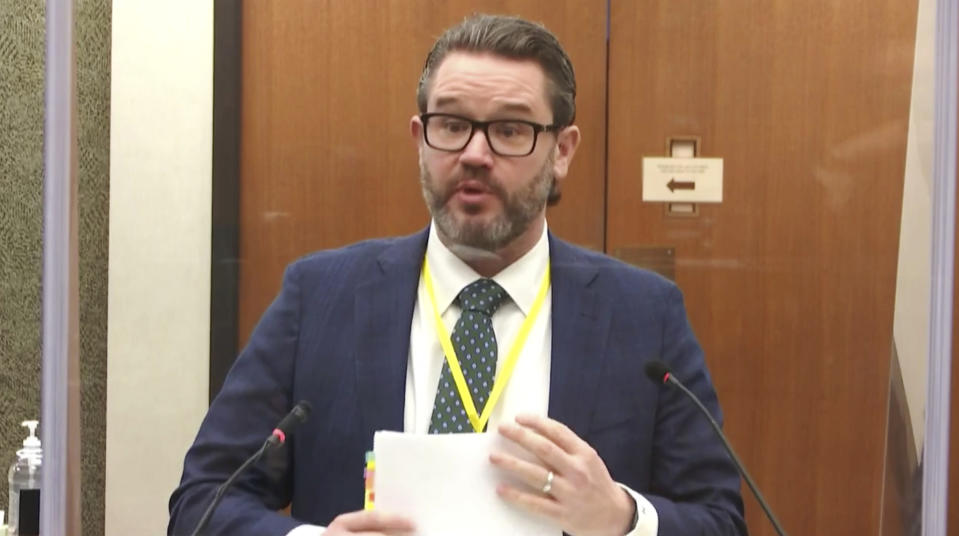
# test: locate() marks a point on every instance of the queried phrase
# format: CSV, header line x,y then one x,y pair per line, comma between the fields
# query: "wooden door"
x,y
328,91
790,280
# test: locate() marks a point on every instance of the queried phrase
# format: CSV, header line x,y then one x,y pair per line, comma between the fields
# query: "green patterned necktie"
x,y
475,345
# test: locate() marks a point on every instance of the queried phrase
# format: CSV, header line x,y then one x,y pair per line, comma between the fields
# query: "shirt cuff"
x,y
647,519
307,530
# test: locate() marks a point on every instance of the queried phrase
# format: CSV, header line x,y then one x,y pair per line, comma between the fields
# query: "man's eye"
x,y
508,130
455,126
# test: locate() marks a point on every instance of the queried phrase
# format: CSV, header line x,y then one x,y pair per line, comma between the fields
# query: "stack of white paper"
x,y
446,485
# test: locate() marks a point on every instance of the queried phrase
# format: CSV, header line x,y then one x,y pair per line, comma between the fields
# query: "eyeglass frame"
x,y
484,126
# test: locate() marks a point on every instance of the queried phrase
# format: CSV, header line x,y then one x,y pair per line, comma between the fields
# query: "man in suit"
x,y
373,334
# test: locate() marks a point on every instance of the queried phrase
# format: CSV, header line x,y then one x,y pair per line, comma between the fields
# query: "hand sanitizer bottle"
x,y
25,476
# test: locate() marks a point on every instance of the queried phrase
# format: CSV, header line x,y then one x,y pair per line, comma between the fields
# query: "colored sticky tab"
x,y
368,473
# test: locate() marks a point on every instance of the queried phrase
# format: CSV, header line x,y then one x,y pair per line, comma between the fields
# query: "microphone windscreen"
x,y
302,410
657,371
295,417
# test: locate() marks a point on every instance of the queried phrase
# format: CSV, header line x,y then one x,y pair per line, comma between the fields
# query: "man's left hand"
x,y
580,496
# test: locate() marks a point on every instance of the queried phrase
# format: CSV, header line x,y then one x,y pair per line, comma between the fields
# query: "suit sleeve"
x,y
255,396
694,485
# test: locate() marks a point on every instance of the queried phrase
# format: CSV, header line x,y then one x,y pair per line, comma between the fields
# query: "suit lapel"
x,y
580,330
383,313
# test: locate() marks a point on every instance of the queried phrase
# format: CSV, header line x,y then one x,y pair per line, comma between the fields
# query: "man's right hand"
x,y
369,523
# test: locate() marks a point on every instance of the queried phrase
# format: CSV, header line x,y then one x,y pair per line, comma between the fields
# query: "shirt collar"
x,y
521,280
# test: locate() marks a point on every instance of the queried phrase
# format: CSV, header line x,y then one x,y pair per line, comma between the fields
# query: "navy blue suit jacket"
x,y
338,336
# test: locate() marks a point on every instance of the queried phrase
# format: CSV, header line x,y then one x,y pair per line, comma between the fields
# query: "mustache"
x,y
481,177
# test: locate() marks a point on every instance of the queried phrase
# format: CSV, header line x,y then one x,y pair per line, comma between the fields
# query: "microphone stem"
x,y
221,490
729,450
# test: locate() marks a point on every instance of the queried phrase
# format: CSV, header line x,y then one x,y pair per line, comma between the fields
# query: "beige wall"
x,y
159,283
911,324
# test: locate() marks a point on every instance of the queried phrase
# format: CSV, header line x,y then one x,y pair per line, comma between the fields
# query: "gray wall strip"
x,y
60,401
936,458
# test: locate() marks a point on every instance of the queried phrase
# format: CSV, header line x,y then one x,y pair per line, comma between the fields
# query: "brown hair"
x,y
510,37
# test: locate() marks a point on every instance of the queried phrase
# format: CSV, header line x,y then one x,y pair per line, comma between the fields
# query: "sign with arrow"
x,y
683,180
674,185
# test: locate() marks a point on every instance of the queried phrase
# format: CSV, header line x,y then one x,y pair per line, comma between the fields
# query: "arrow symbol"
x,y
674,185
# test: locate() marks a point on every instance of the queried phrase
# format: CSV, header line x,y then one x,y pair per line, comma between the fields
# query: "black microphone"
x,y
294,418
659,373
297,416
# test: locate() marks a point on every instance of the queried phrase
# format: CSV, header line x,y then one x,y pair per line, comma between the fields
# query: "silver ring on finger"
x,y
549,482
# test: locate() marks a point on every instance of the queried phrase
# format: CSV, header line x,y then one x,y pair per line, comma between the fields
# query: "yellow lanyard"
x,y
479,421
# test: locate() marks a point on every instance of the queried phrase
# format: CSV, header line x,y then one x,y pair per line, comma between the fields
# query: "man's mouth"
x,y
472,191
473,187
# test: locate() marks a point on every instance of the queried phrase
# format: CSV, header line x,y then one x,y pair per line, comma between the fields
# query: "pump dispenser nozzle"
x,y
31,445
31,442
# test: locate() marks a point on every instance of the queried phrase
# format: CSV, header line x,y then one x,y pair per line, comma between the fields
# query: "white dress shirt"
x,y
521,280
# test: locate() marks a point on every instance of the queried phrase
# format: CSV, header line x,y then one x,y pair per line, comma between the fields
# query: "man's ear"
x,y
567,140
416,129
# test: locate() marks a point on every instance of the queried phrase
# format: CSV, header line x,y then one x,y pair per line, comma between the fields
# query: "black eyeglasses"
x,y
506,137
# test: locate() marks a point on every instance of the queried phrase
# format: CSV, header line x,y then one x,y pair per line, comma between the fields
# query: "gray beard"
x,y
481,239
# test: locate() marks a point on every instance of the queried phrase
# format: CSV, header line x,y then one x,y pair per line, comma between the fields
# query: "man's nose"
x,y
477,152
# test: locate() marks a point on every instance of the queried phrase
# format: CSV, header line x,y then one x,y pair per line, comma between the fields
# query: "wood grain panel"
x,y
328,90
790,281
